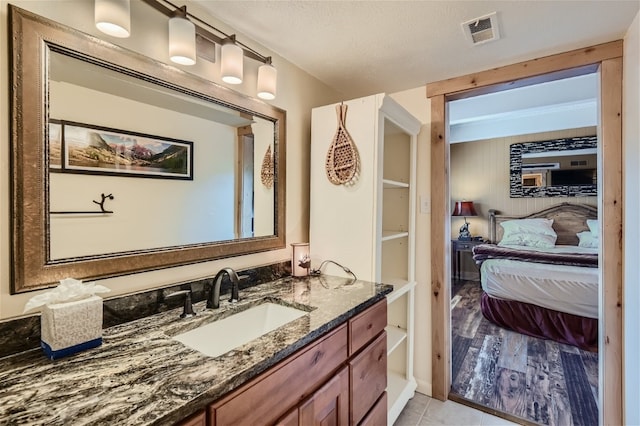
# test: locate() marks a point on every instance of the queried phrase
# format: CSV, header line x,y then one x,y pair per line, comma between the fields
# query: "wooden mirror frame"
x,y
606,60
33,37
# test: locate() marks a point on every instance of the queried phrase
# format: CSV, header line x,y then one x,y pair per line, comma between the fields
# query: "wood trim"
x,y
440,332
610,57
611,388
527,69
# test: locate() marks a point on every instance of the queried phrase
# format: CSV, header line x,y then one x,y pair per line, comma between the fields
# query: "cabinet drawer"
x,y
368,374
271,395
378,414
198,419
366,325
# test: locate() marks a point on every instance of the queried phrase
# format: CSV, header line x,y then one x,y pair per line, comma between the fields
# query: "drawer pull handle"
x,y
369,326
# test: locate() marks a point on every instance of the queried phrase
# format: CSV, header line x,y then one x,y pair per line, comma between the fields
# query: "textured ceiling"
x,y
364,47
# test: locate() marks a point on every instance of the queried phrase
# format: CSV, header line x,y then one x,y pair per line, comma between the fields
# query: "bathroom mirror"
x,y
124,164
565,167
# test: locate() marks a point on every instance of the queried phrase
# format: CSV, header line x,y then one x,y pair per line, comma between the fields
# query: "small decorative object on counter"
x,y
300,260
71,317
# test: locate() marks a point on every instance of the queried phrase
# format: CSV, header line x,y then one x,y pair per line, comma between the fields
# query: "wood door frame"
x,y
606,59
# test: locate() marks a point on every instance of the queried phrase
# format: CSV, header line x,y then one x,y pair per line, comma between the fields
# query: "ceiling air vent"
x,y
483,29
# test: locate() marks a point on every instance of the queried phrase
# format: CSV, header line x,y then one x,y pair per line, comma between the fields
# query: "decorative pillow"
x,y
594,227
587,239
529,232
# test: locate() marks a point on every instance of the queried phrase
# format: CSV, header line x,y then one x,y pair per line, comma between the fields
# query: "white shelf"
x,y
392,235
393,184
400,287
399,392
395,336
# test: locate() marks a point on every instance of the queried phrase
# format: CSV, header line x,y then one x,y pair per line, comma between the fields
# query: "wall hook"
x,y
100,203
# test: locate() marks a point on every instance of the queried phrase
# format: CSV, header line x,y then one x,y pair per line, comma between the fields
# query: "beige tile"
x,y
408,418
450,413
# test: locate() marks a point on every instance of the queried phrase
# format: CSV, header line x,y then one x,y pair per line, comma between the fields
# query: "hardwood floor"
x,y
540,381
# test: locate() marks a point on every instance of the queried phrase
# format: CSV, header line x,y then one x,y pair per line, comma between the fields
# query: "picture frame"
x,y
55,144
91,149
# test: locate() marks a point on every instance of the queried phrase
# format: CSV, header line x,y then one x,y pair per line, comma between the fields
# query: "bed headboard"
x,y
568,220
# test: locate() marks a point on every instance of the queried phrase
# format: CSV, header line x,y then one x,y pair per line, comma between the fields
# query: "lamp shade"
x,y
232,63
464,208
113,17
267,78
182,40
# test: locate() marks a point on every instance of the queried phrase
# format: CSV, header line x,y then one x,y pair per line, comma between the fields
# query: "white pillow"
x,y
529,232
594,227
587,239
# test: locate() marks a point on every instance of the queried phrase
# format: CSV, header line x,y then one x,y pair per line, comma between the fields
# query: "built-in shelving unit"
x,y
369,226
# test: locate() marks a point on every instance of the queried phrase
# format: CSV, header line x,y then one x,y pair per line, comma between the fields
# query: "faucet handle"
x,y
187,310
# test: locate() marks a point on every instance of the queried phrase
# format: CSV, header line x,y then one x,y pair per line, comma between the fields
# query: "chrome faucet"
x,y
213,301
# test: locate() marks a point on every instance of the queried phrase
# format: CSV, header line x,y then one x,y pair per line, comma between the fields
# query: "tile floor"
x,y
423,410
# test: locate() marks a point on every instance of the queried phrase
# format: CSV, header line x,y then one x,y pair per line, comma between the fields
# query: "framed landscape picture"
x,y
55,144
102,150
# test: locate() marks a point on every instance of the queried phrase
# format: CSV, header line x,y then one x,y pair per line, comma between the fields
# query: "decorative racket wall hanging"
x,y
266,171
343,160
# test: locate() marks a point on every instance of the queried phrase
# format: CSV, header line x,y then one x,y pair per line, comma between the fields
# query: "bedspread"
x,y
483,252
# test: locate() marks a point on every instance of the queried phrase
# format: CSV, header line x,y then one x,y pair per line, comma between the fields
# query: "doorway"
x,y
606,60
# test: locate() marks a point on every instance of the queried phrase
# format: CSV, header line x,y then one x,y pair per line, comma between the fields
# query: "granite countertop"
x,y
141,376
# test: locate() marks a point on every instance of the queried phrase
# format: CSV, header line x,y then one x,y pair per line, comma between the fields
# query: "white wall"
x,y
416,102
145,209
631,155
298,93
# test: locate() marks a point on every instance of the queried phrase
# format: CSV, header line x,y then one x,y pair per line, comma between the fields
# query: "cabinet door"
x,y
368,377
329,405
378,414
289,419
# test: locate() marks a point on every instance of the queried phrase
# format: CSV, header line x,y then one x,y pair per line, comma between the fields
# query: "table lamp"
x,y
465,209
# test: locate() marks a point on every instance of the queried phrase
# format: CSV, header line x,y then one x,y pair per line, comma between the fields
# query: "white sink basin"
x,y
219,337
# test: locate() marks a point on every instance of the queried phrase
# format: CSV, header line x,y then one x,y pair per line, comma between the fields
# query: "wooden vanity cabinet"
x,y
368,376
197,419
319,385
329,405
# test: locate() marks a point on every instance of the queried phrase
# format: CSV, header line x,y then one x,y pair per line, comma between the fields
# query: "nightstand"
x,y
457,248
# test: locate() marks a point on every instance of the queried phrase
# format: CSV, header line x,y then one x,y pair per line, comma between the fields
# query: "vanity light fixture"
x,y
113,17
182,38
206,37
232,61
267,78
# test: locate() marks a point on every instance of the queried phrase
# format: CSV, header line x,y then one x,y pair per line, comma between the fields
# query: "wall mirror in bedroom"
x,y
124,164
490,356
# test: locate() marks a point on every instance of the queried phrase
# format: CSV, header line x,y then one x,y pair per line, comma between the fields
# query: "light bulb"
x,y
182,39
113,17
232,63
267,81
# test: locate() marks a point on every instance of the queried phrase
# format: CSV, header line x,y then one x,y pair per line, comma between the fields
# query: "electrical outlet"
x,y
425,204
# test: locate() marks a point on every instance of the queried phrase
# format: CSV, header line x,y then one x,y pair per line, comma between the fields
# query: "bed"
x,y
543,285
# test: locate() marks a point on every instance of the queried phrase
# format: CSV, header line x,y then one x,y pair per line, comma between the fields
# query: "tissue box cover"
x,y
70,327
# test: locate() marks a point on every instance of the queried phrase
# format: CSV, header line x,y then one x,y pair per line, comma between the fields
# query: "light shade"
x,y
113,17
182,39
267,81
232,63
464,208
